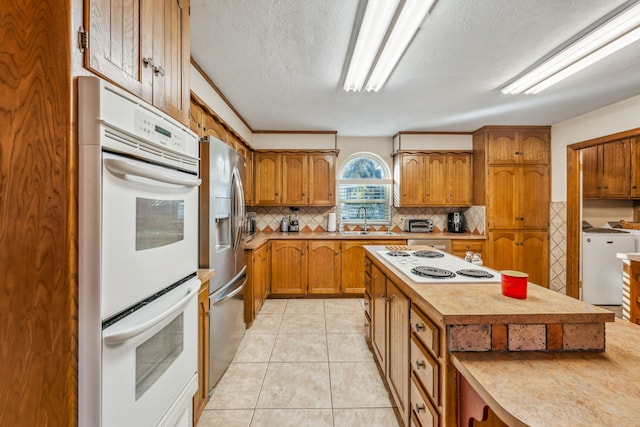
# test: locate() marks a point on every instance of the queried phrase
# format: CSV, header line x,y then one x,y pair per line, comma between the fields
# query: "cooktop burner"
x,y
398,253
438,273
475,273
428,254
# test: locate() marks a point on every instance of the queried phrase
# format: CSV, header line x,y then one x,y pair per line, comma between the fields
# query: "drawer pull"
x,y
419,327
419,408
420,364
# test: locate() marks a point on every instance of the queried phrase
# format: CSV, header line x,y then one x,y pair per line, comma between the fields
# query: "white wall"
x,y
618,117
201,87
433,142
382,146
294,141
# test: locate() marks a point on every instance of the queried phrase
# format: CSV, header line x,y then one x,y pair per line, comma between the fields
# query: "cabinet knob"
x,y
428,194
419,408
337,253
330,194
148,62
419,327
276,194
420,364
159,71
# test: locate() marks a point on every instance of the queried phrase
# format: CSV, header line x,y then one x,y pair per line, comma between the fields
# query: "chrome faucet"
x,y
365,216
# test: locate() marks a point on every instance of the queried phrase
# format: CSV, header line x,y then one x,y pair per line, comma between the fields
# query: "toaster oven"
x,y
420,225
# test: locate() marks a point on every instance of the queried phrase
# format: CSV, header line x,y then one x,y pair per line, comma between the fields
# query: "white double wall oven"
x,y
138,259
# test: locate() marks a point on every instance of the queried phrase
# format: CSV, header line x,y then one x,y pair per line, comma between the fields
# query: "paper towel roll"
x,y
331,222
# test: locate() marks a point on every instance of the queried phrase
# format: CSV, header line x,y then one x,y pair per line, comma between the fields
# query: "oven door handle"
x,y
125,167
119,335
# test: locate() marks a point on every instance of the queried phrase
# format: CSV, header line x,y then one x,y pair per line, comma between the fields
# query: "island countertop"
x,y
482,303
561,388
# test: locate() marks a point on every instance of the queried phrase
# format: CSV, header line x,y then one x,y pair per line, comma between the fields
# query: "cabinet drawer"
x,y
367,282
463,246
426,331
367,265
367,326
426,370
367,304
421,408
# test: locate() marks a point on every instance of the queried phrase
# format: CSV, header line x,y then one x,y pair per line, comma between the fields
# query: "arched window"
x,y
364,180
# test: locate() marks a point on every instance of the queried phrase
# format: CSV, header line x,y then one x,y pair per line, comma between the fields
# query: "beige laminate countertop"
x,y
629,257
261,238
205,274
562,388
482,303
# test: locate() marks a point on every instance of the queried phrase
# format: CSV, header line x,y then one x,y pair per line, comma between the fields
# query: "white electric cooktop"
x,y
434,266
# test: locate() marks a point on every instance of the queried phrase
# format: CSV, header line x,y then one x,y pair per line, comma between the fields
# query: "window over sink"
x,y
364,180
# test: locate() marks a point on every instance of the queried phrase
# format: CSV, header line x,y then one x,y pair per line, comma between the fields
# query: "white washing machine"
x,y
601,269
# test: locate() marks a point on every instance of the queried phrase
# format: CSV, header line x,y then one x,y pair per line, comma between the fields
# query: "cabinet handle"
x,y
404,194
337,253
606,187
330,194
208,314
419,408
148,62
276,194
428,194
420,364
386,299
419,327
159,71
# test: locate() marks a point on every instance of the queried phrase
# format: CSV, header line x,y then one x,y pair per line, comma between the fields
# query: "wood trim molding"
x,y
604,139
278,150
508,127
297,132
432,152
195,98
219,92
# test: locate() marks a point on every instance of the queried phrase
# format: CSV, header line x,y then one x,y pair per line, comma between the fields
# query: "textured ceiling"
x,y
281,63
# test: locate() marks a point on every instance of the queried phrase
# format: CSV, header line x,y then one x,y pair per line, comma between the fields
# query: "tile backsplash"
x,y
315,218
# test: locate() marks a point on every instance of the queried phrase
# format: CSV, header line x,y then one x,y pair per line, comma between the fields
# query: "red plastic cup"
x,y
514,284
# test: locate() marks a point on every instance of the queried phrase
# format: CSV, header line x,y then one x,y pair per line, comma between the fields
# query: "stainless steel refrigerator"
x,y
222,214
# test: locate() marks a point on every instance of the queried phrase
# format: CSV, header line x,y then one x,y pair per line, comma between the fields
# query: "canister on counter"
x,y
514,283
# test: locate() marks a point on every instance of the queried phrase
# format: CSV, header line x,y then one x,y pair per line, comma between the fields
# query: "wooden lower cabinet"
x,y
459,248
379,316
397,344
352,258
259,268
526,251
289,267
201,398
324,267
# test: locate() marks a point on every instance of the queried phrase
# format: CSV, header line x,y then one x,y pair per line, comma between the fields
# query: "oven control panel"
x,y
160,132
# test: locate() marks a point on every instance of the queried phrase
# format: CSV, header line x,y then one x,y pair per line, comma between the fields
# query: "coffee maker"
x,y
456,222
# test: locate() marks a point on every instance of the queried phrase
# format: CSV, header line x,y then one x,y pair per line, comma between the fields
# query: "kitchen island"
x,y
418,330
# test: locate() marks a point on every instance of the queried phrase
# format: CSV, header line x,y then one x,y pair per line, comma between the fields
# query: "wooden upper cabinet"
x,y
196,118
432,179
519,146
322,179
289,272
295,179
635,168
212,127
143,46
171,53
267,178
518,197
607,170
302,179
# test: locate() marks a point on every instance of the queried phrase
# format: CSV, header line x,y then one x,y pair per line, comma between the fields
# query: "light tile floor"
x,y
304,362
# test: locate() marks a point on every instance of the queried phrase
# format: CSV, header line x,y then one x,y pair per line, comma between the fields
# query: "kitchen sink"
x,y
368,233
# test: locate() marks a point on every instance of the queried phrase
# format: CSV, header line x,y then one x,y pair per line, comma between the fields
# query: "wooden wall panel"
x,y
38,285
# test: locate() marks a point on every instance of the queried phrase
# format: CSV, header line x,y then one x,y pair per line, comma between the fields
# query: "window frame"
x,y
386,181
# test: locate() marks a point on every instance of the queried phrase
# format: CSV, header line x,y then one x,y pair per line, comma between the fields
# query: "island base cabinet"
x,y
422,413
201,398
397,348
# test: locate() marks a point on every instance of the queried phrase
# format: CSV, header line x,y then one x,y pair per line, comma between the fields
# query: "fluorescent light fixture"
x,y
606,39
373,28
375,25
408,22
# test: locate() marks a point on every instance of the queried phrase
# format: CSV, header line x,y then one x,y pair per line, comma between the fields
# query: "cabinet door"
x,y
324,267
412,180
260,280
295,179
352,258
534,197
289,267
212,127
247,179
267,178
502,250
533,256
616,170
502,147
534,146
398,347
171,57
591,159
116,29
379,316
459,180
196,117
436,180
322,179
502,197
201,397
635,168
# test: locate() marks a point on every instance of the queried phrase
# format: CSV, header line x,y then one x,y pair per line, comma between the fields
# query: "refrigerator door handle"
x,y
238,208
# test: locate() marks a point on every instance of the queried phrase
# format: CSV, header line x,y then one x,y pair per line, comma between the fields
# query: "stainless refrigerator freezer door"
x,y
227,326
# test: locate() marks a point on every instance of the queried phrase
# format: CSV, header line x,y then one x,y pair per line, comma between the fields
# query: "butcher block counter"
x,y
424,354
